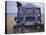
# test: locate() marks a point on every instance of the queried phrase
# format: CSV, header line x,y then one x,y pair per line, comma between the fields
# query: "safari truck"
x,y
28,15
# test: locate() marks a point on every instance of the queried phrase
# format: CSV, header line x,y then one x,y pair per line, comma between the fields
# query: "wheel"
x,y
17,29
14,29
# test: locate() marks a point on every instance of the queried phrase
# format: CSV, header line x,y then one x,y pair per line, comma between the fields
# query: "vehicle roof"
x,y
30,5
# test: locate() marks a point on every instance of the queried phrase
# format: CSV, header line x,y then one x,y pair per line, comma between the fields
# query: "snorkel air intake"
x,y
18,4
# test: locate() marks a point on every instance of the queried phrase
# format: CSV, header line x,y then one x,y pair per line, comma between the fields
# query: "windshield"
x,y
29,11
30,14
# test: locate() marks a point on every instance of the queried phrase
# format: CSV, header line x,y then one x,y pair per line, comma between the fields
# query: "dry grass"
x,y
10,24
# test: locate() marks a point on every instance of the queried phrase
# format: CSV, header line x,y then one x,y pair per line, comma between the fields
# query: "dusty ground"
x,y
11,23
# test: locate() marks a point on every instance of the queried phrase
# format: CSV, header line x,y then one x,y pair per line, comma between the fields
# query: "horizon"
x,y
15,14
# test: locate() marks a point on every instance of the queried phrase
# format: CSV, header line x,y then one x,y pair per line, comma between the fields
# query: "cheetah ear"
x,y
18,4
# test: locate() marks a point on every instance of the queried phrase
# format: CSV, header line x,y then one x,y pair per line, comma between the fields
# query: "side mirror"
x,y
15,18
